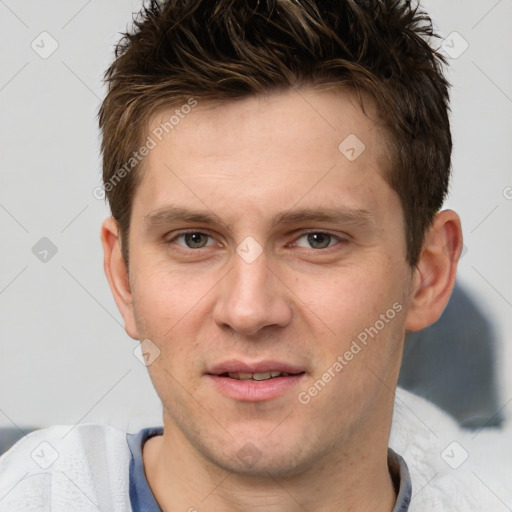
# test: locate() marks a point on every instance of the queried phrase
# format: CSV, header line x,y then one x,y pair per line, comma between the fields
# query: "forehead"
x,y
291,146
320,118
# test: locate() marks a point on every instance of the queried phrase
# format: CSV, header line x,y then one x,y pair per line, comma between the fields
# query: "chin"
x,y
261,458
262,467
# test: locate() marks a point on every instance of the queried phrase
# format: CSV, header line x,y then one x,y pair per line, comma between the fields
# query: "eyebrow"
x,y
338,215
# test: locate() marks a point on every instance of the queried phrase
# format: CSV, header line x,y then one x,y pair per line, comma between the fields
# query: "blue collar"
x,y
141,497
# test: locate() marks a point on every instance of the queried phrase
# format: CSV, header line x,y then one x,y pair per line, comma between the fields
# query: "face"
x,y
267,264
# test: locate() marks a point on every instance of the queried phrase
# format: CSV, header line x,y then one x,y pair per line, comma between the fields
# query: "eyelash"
x,y
340,240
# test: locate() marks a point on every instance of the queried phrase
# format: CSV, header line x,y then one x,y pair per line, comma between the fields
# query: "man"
x,y
275,171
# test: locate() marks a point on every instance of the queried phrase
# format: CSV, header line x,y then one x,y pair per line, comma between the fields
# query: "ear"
x,y
435,273
117,274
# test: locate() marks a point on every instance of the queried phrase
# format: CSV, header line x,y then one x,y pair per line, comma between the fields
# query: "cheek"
x,y
355,297
166,298
361,305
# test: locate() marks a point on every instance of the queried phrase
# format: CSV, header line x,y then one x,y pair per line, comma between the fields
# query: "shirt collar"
x,y
402,480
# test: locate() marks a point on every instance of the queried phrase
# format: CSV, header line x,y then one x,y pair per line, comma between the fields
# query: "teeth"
x,y
256,376
261,376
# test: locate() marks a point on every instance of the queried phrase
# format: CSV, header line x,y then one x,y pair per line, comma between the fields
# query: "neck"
x,y
349,478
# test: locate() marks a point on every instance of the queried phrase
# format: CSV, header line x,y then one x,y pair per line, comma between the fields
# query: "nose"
x,y
252,297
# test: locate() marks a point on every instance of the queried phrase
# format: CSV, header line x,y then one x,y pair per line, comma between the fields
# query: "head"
x,y
310,143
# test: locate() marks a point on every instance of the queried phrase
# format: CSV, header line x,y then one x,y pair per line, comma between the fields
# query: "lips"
x,y
261,381
262,370
256,376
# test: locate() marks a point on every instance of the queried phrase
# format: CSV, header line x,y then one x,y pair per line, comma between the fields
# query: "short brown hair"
x,y
219,50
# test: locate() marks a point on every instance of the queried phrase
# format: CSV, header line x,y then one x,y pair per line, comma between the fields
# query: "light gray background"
x,y
65,357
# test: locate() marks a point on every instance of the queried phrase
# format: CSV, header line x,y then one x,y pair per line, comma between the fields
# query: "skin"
x,y
300,301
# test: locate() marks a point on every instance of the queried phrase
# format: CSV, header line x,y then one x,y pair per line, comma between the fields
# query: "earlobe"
x,y
436,271
117,274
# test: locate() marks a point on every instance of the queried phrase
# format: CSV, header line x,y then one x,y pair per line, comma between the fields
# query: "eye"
x,y
318,240
192,239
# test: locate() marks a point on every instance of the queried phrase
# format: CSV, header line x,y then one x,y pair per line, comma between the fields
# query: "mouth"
x,y
255,382
258,376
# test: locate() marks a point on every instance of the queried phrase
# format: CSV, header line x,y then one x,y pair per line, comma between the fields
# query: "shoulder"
x,y
84,465
444,474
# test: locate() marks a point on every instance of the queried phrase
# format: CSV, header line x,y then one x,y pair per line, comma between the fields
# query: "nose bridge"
x,y
250,279
249,298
